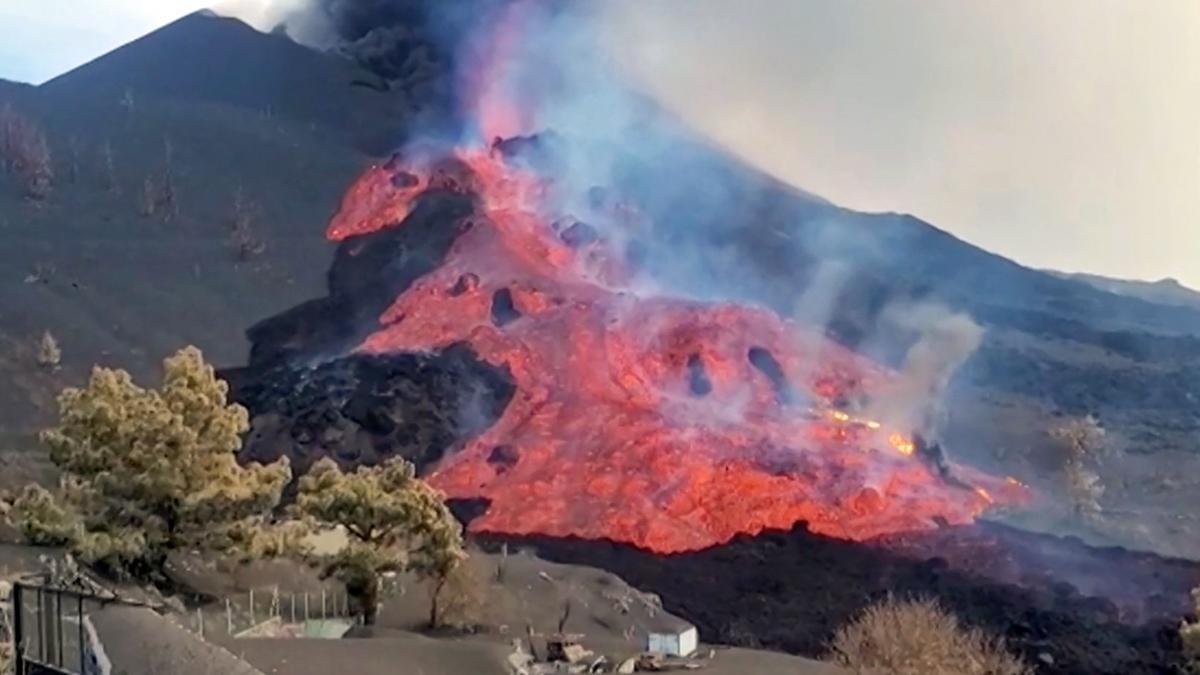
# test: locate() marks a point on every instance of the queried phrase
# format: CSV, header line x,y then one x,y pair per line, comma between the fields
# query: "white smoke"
x,y
297,17
945,341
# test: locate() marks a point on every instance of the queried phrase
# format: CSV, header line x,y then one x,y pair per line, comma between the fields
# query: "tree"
x,y
1189,632
1082,441
147,472
918,637
395,522
43,521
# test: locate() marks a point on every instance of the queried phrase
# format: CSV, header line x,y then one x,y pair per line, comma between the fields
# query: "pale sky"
x,y
1063,134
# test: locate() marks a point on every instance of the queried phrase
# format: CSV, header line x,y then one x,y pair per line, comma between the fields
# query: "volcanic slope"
x,y
290,128
247,129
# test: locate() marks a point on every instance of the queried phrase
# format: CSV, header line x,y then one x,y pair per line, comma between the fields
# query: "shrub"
x,y
919,638
147,472
395,522
464,599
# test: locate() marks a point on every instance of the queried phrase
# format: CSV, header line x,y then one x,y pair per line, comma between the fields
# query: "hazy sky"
x,y
1063,134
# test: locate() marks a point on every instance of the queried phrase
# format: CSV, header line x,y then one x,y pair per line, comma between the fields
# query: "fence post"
x,y
251,606
323,614
228,617
18,627
293,608
307,617
82,646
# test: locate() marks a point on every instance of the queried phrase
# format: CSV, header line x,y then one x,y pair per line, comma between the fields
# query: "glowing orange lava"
x,y
609,434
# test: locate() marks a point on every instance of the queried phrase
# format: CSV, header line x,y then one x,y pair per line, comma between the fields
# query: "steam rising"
x,y
522,68
945,341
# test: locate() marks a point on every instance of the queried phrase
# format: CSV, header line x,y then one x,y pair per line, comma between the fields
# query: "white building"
x,y
675,641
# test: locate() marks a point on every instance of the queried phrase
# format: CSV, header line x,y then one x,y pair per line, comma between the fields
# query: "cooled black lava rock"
x,y
766,364
363,409
698,381
791,590
367,275
504,310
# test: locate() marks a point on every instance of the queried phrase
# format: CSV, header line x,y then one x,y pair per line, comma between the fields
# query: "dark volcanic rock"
x,y
310,397
368,273
363,409
791,590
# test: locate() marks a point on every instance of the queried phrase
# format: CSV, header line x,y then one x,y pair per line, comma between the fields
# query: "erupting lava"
x,y
663,422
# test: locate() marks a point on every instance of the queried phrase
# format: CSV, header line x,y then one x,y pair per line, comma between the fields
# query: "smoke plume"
x,y
945,340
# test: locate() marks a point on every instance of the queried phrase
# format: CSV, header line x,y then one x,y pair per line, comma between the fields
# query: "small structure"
x,y
673,641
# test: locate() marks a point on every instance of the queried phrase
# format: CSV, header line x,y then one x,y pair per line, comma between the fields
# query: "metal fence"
x,y
245,611
51,633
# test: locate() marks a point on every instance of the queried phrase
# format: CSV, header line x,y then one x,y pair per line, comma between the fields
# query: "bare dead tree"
x,y
158,196
108,168
25,154
243,240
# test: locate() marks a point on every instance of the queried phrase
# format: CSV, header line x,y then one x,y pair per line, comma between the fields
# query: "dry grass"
x,y
464,600
918,637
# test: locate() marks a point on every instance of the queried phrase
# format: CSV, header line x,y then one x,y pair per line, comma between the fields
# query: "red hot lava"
x,y
663,422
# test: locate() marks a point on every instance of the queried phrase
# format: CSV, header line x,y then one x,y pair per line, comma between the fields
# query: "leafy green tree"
x,y
147,472
395,523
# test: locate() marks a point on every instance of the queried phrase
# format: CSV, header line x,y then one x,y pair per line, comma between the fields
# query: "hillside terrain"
x,y
252,131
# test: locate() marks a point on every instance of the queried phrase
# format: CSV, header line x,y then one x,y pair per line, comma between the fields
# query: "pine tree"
x,y
395,522
147,472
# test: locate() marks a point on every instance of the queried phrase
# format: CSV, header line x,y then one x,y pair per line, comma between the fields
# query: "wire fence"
x,y
243,613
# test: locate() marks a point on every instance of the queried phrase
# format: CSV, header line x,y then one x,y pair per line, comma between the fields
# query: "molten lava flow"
x,y
667,423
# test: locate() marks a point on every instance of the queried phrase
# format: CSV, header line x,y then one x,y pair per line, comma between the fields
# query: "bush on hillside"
x,y
918,637
395,521
147,472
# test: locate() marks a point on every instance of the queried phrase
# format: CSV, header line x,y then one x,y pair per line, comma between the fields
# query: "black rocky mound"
x,y
364,409
311,396
368,273
791,590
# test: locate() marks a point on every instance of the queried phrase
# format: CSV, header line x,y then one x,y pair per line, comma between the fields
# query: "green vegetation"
x,y
395,522
918,637
148,472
